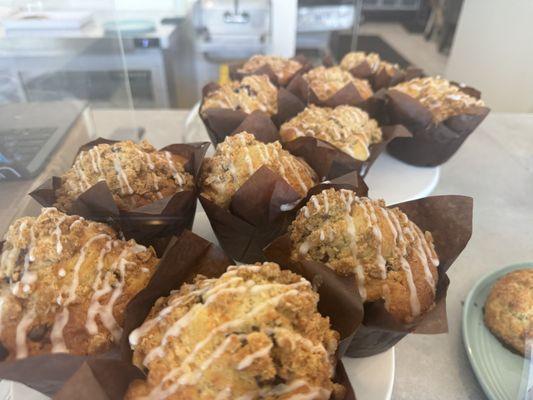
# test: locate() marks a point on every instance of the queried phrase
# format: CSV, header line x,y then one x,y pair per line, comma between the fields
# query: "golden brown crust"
x,y
391,258
441,97
254,92
136,174
325,82
284,68
348,128
255,332
509,310
239,156
66,283
356,58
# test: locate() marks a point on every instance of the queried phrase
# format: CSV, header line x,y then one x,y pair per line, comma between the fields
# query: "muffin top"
x,y
325,82
346,127
65,285
254,92
391,258
252,333
441,97
239,157
355,58
136,174
509,310
284,68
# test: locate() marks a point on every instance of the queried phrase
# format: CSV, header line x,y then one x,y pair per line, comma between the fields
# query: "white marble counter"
x,y
495,167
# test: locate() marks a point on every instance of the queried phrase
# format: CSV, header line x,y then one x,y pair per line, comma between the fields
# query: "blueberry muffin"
x,y
65,285
442,98
239,157
254,92
283,68
348,128
136,174
509,310
325,82
389,256
252,333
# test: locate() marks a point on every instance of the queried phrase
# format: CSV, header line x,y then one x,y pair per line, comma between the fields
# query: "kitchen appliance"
x,y
228,31
43,20
317,19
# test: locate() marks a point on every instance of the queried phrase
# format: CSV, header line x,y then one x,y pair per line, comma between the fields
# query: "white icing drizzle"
x,y
80,174
78,221
121,175
21,332
305,247
296,173
413,295
61,320
326,201
315,202
250,358
224,394
359,271
247,157
57,232
175,173
322,235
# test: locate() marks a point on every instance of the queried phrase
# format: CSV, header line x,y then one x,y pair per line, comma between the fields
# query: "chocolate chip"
x,y
37,333
3,352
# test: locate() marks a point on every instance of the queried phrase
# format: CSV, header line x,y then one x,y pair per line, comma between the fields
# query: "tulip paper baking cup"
x,y
222,122
432,143
192,255
382,79
348,95
449,219
152,224
267,70
330,162
260,211
185,257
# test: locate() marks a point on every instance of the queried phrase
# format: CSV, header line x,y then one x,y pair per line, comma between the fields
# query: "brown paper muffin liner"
x,y
449,219
222,122
188,256
383,80
152,224
330,162
432,143
348,95
266,69
260,211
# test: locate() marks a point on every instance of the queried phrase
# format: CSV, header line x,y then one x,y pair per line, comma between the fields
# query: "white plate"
x,y
388,179
371,377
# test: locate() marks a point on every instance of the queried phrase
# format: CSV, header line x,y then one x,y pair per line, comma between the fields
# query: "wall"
x,y
493,51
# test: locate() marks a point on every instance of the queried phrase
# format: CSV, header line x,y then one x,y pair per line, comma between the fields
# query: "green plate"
x,y
503,375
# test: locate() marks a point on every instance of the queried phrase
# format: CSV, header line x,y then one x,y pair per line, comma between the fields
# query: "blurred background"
x,y
158,54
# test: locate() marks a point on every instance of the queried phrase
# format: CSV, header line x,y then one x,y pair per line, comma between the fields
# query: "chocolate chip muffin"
x,y
509,310
65,285
390,257
254,92
325,82
239,157
252,333
283,68
136,174
348,128
442,98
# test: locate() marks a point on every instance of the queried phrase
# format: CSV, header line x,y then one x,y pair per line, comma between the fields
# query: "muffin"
x,y
283,68
254,92
239,157
356,58
136,174
442,98
348,128
390,257
509,310
252,333
325,82
65,285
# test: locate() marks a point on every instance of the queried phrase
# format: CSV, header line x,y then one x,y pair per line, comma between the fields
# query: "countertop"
x,y
495,167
